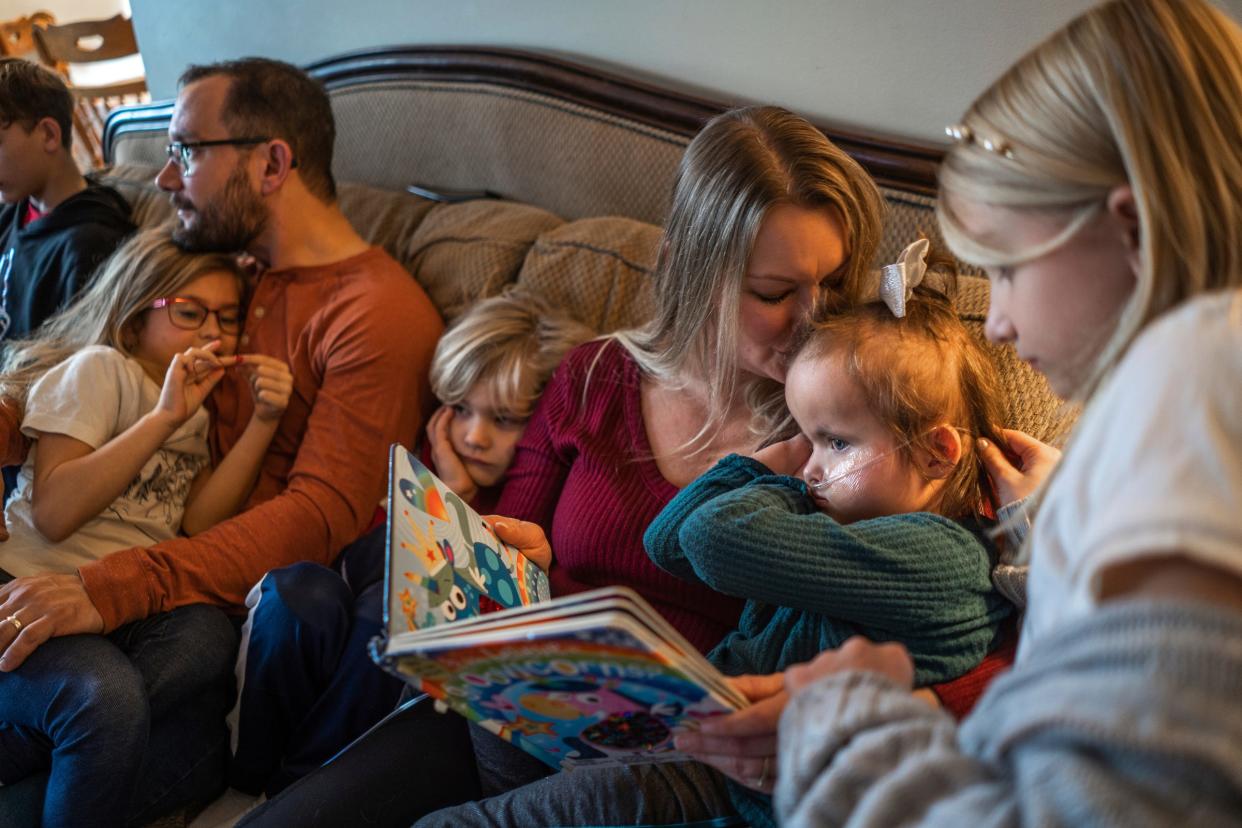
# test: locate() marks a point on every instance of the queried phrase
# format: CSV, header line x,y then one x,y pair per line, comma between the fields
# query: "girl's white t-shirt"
x,y
1154,467
93,396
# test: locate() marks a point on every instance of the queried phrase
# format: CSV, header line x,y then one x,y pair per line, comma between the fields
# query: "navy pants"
x,y
414,761
307,685
118,729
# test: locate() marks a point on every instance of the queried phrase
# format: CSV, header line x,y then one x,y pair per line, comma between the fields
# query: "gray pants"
x,y
662,794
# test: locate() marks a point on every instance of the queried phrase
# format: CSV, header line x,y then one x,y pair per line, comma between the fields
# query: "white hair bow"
x,y
897,281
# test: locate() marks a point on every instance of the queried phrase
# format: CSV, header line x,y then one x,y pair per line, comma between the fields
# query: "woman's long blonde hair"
x,y
147,267
742,163
1140,92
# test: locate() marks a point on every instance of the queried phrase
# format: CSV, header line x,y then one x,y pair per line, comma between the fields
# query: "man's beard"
x,y
228,225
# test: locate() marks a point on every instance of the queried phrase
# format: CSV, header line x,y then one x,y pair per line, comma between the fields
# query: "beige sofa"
x,y
583,164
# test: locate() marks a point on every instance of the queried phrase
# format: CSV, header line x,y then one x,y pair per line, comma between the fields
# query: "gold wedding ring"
x,y
15,621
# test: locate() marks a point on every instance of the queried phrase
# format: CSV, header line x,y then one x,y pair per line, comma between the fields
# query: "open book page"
x,y
598,688
444,562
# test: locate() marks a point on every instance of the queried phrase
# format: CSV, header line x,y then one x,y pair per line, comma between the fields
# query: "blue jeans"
x,y
307,686
127,726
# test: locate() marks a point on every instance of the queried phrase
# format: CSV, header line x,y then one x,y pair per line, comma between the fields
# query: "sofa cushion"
x,y
597,270
464,252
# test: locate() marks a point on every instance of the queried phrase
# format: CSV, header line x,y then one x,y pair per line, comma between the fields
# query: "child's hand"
x,y
527,537
1036,461
787,456
449,467
189,379
271,384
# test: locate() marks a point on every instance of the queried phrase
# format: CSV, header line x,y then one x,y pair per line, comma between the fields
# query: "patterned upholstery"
x,y
465,252
597,269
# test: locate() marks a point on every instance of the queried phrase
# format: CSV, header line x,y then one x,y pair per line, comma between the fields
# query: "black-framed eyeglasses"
x,y
183,151
190,314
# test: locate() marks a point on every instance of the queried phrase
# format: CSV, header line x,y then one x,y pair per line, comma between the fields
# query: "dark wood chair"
x,y
92,41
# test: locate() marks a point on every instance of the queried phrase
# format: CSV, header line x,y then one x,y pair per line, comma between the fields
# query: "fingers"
x,y
890,660
996,463
1029,449
757,688
1021,443
31,637
741,745
438,428
755,722
756,772
46,605
271,384
519,533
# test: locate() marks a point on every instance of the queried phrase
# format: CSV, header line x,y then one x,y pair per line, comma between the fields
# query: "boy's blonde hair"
x,y
1140,92
147,267
917,372
513,341
741,165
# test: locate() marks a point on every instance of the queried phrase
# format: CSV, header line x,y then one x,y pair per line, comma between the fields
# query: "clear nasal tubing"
x,y
856,464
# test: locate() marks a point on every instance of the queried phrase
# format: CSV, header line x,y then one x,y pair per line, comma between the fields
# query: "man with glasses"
x,y
249,170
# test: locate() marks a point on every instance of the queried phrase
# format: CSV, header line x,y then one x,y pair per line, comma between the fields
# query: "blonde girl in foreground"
x,y
1100,183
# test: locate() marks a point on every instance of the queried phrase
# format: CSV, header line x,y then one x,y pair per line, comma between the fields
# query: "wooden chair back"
x,y
91,41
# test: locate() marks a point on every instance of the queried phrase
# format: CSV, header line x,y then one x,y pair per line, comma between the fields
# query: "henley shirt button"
x,y
258,312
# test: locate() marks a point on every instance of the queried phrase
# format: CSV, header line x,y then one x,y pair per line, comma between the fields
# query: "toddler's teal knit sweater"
x,y
810,582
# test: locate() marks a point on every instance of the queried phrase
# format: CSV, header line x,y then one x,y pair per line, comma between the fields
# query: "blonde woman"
x,y
112,390
1100,183
767,214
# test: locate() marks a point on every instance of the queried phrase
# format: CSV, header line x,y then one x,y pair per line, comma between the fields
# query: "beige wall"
x,y
904,67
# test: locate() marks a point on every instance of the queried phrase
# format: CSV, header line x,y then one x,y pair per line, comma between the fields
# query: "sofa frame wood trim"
x,y
904,165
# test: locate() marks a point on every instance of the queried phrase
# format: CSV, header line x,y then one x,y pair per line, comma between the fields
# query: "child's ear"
x,y
946,450
48,130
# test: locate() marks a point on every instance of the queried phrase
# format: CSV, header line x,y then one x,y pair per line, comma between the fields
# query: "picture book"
x,y
593,678
444,563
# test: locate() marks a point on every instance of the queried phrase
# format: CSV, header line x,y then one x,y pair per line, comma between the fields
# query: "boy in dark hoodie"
x,y
55,225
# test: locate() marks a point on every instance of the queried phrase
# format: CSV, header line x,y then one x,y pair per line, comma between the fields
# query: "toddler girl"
x,y
881,534
113,390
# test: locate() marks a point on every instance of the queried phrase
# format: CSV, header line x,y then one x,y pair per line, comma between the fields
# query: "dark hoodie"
x,y
55,256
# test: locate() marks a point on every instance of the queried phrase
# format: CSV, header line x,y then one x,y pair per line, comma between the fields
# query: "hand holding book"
x,y
526,537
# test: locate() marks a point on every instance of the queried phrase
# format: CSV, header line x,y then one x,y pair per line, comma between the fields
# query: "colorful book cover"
x,y
444,562
587,691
